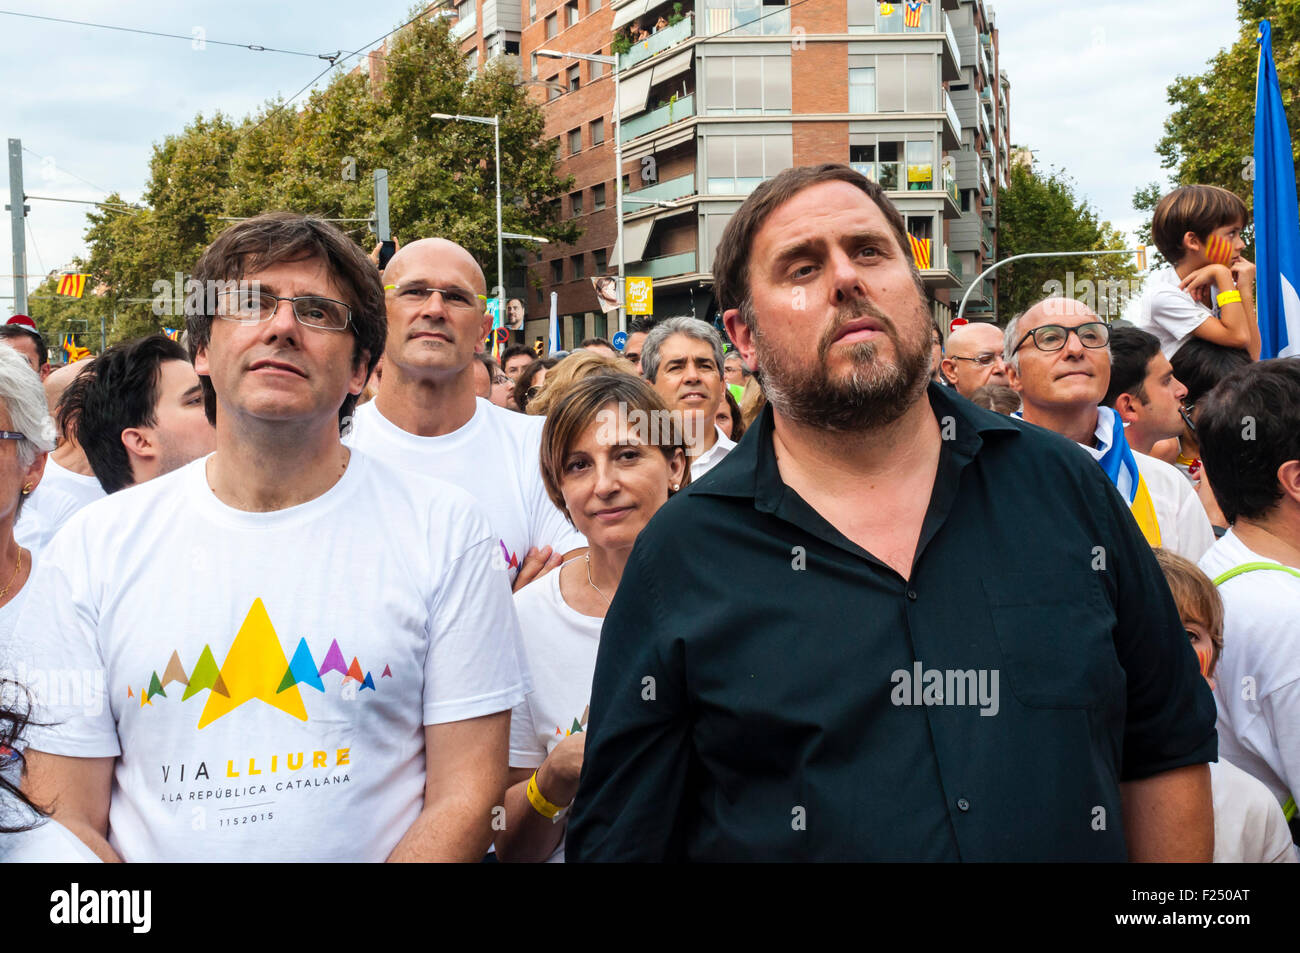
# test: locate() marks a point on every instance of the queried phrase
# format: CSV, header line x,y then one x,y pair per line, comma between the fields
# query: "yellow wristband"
x,y
1228,297
539,803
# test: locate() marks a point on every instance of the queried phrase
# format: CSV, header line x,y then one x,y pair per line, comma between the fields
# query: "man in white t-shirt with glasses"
x,y
427,418
261,679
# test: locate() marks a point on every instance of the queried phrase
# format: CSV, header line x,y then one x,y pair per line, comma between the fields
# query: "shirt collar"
x,y
750,469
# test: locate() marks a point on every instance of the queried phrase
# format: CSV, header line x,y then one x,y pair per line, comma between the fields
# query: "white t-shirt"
x,y
49,506
710,458
495,457
10,611
1184,527
1258,675
264,679
1169,312
560,650
1249,827
49,842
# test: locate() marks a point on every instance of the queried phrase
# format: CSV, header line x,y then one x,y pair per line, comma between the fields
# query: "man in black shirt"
x,y
952,643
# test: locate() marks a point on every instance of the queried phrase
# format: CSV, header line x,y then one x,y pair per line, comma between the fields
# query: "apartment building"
x,y
717,95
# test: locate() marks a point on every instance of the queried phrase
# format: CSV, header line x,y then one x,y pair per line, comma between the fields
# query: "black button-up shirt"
x,y
766,689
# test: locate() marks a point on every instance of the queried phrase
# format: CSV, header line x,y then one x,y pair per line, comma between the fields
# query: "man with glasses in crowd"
x,y
1060,364
427,418
973,358
200,732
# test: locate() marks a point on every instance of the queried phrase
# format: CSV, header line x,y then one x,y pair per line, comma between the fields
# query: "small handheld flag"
x,y
173,333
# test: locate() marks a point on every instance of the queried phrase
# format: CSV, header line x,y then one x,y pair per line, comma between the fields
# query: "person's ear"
x,y
139,443
360,374
1192,243
1126,407
1013,379
32,478
1288,477
948,368
742,336
677,468
201,362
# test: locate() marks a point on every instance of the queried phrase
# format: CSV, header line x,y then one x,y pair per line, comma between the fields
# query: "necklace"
x,y
5,591
587,557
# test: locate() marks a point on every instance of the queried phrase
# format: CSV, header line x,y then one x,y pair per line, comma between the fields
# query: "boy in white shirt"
x,y
1209,289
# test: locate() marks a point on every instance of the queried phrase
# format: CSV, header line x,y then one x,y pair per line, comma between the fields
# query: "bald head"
x,y
974,358
59,380
418,260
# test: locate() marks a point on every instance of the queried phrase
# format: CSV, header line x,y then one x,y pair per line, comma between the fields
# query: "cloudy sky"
x,y
1088,88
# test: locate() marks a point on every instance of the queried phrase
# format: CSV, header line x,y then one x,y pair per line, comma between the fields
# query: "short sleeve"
x,y
525,750
55,652
1176,313
473,666
1281,709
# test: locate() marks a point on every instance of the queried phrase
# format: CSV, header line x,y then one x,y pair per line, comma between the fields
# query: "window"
x,y
532,11
862,158
575,203
889,84
578,272
600,256
592,7
571,78
575,141
966,199
571,13
747,85
512,47
737,164
890,154
597,132
597,70
862,16
862,90
920,226
471,62
921,83
746,17
920,165
552,27
532,65
598,198
557,271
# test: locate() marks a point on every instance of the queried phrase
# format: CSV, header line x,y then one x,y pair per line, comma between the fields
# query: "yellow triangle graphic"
x,y
254,668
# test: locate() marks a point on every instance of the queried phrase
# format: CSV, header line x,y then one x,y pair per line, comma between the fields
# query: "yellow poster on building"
x,y
640,296
920,173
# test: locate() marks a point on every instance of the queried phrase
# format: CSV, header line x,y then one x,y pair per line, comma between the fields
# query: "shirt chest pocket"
x,y
1054,630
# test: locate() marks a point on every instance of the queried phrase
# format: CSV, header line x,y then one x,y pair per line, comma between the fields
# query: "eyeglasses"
x,y
983,360
502,379
248,307
453,299
1052,337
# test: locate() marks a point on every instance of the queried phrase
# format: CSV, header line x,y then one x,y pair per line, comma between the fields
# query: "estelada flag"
x,y
173,333
72,286
920,251
912,13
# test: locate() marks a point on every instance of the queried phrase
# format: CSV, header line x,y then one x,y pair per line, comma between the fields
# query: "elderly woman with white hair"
x,y
26,436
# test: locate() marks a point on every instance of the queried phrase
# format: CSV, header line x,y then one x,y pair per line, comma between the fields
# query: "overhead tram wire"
x,y
190,38
69,172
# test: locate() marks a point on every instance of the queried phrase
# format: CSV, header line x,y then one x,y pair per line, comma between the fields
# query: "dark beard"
x,y
872,395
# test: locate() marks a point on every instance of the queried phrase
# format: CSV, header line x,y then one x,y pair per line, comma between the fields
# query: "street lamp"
x,y
495,123
612,63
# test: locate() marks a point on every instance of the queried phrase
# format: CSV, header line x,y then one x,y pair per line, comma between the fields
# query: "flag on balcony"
x,y
912,13
920,251
1277,226
71,286
886,9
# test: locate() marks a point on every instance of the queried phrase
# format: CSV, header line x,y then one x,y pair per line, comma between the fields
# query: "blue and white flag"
x,y
554,344
1277,223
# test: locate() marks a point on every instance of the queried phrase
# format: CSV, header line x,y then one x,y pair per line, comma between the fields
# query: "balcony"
x,y
465,25
986,40
766,20
677,188
665,115
952,133
666,267
666,38
896,23
986,129
953,51
941,272
984,181
986,237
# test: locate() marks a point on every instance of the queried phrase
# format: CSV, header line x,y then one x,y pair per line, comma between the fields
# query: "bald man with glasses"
x,y
973,358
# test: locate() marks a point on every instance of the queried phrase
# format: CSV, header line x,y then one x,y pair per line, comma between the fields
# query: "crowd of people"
x,y
829,587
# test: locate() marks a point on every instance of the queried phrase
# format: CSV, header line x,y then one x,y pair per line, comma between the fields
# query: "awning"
x,y
671,66
632,94
625,15
636,235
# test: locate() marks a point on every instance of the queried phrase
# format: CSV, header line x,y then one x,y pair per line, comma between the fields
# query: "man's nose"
x,y
283,323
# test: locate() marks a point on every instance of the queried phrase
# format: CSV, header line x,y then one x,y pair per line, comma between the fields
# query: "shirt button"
x,y
963,804
911,594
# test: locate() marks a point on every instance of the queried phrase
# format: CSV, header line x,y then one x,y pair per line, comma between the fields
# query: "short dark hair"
x,y
731,260
597,342
517,350
488,361
275,237
1249,426
1131,351
640,325
1198,209
13,332
119,391
1199,365
522,384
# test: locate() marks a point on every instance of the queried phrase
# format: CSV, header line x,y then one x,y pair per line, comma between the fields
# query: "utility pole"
x,y
17,212
382,232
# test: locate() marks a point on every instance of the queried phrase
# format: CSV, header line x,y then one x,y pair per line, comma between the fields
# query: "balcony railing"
x,y
677,188
667,114
950,185
954,263
952,115
667,37
766,20
952,43
896,21
665,267
986,234
465,25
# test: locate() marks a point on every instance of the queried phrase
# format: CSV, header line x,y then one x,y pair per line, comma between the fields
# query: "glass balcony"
x,y
665,115
465,25
740,19
667,37
953,49
986,234
677,188
950,185
665,267
896,21
953,121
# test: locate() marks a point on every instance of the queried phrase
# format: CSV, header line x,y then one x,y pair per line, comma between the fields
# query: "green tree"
x,y
319,158
1209,136
1038,213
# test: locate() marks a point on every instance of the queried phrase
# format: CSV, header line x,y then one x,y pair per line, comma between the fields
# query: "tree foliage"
x,y
319,158
1041,213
